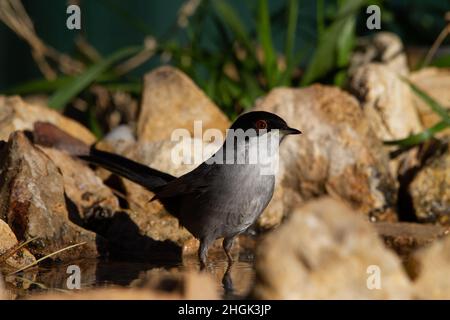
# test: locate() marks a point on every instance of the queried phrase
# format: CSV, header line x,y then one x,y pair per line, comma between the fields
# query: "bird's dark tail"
x,y
147,177
49,135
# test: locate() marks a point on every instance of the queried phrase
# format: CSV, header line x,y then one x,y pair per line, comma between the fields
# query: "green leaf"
x,y
333,42
70,90
265,37
346,42
324,58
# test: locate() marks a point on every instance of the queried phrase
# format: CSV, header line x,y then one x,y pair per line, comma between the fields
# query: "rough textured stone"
x,y
323,251
386,101
170,100
337,154
430,188
15,114
404,238
8,242
32,202
385,48
433,264
83,188
436,83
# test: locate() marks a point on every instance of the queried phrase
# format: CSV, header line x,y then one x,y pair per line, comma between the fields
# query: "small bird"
x,y
222,197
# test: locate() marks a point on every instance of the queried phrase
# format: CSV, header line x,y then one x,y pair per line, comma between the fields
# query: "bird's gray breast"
x,y
235,195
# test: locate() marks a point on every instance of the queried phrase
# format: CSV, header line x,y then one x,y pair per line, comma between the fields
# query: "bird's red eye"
x,y
261,124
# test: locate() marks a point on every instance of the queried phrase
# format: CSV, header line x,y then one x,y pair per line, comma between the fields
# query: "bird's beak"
x,y
291,131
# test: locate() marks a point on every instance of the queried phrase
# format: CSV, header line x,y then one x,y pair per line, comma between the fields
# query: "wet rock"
x,y
8,244
15,114
325,251
85,191
404,238
385,48
338,153
435,82
430,188
170,100
386,101
433,265
33,204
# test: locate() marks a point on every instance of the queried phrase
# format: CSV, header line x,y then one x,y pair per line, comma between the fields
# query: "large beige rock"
x,y
325,251
386,100
430,188
32,202
15,114
170,100
8,243
436,83
338,153
433,281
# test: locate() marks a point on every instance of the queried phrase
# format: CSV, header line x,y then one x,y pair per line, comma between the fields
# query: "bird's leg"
x,y
227,244
203,252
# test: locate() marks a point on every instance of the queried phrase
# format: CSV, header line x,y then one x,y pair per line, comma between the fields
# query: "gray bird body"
x,y
214,198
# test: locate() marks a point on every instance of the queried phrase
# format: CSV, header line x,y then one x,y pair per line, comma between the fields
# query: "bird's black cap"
x,y
262,120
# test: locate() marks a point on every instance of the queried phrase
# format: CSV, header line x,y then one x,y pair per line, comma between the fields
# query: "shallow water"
x,y
103,273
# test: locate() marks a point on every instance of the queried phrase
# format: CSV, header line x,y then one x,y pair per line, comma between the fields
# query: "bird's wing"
x,y
193,183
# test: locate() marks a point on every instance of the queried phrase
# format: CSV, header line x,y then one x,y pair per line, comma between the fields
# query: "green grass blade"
x,y
419,137
433,104
345,45
66,93
94,125
265,37
325,58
